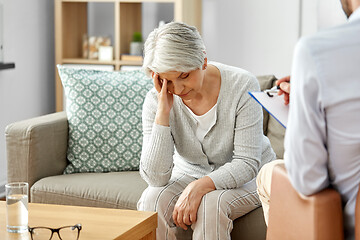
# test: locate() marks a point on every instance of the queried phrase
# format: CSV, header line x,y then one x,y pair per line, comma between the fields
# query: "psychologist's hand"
x,y
165,101
284,84
186,207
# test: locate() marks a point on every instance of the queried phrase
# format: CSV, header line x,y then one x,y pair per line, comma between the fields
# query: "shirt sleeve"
x,y
156,161
248,139
305,139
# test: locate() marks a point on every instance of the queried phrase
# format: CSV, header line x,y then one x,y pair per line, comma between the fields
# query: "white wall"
x,y
28,90
256,35
259,35
309,17
153,13
329,14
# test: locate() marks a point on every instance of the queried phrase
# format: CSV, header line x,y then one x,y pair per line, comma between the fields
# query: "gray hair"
x,y
173,47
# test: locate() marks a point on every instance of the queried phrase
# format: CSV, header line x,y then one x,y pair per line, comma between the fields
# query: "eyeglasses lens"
x,y
69,233
66,233
41,234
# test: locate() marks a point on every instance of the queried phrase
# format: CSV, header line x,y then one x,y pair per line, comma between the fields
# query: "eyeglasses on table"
x,y
64,233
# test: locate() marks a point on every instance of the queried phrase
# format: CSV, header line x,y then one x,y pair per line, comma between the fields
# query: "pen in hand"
x,y
284,84
274,89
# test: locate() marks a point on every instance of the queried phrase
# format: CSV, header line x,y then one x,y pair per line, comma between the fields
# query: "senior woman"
x,y
203,140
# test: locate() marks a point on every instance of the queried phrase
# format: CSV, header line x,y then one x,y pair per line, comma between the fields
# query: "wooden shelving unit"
x,y
71,24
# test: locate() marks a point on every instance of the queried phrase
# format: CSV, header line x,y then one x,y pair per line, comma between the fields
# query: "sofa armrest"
x,y
295,216
36,148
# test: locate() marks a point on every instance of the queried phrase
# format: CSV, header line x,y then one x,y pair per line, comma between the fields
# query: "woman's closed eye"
x,y
184,75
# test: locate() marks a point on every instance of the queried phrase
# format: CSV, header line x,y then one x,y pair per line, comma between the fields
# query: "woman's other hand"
x,y
284,84
165,101
186,207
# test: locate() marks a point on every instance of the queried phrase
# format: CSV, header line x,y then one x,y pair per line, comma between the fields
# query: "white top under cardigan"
x,y
232,151
204,122
322,141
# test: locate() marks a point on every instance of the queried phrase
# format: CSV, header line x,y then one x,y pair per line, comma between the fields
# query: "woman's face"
x,y
184,84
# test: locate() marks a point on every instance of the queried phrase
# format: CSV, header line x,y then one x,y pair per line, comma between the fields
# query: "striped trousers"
x,y
215,215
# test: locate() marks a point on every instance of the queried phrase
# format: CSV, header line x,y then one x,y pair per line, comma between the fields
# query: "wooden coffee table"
x,y
97,223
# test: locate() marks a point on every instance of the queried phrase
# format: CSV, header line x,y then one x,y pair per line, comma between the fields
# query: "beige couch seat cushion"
x,y
110,190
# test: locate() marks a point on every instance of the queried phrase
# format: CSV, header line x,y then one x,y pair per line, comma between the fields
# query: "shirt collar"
x,y
355,15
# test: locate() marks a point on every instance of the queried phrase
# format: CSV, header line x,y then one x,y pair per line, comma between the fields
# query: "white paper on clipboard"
x,y
273,105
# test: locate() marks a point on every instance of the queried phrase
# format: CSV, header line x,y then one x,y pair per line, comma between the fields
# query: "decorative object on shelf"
x,y
136,46
106,53
85,46
94,42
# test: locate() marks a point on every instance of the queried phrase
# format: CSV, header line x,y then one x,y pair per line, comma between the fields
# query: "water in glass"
x,y
17,212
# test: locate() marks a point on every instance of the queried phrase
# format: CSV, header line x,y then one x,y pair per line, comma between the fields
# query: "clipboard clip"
x,y
274,89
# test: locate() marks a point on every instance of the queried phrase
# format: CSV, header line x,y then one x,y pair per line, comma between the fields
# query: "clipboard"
x,y
273,105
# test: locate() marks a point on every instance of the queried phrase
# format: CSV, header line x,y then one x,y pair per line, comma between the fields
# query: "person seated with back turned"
x,y
203,140
322,140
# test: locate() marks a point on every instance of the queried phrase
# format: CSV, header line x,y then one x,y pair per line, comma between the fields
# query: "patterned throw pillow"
x,y
104,114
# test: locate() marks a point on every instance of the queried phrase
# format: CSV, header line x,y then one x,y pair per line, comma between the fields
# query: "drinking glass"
x,y
17,207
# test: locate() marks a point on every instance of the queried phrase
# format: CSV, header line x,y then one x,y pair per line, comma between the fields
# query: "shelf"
x,y
123,62
4,66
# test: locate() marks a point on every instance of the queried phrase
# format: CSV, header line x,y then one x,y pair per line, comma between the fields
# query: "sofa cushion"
x,y
121,190
109,190
250,226
104,114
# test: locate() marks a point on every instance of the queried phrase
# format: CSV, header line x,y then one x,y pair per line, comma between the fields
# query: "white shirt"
x,y
322,141
204,122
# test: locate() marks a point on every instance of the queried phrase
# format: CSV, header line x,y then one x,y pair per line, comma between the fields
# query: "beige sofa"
x,y
36,153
